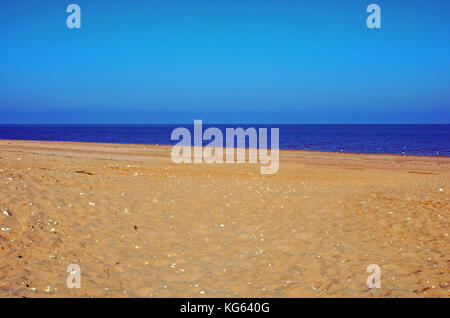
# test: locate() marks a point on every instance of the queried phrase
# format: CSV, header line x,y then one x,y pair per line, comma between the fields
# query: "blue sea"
x,y
417,139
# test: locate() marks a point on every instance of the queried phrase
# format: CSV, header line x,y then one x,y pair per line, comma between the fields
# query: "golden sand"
x,y
139,225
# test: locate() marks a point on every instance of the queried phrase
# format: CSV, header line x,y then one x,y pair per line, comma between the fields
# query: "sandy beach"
x,y
139,225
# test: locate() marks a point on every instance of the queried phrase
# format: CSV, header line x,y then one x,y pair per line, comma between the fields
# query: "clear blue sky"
x,y
225,61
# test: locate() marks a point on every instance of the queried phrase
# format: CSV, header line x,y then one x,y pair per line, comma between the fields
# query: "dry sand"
x,y
140,226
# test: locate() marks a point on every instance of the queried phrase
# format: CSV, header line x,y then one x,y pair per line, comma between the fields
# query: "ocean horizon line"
x,y
213,123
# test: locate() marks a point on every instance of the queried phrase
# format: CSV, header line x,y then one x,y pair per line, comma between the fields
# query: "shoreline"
x,y
145,152
168,145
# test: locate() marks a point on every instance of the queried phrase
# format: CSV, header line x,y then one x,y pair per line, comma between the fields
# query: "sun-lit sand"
x,y
139,225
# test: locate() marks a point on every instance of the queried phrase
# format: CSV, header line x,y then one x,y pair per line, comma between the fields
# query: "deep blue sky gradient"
x,y
225,61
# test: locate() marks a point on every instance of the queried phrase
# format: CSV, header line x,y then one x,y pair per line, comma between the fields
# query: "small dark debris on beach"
x,y
84,172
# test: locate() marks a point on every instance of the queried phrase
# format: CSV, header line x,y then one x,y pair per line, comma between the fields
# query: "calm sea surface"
x,y
431,140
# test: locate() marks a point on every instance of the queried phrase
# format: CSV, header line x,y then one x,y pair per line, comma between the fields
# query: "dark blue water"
x,y
431,140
